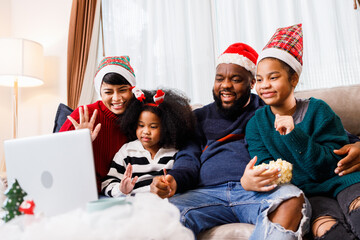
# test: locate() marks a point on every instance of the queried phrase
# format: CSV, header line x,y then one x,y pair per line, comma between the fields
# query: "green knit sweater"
x,y
309,147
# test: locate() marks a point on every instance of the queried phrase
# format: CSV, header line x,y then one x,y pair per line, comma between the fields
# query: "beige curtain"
x,y
80,32
88,94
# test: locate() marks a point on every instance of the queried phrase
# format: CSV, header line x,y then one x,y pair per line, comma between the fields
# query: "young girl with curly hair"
x,y
157,128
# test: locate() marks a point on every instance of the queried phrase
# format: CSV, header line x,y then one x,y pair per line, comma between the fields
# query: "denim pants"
x,y
206,207
348,224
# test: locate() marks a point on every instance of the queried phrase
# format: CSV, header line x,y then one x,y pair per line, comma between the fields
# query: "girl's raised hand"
x,y
284,124
258,179
84,122
127,184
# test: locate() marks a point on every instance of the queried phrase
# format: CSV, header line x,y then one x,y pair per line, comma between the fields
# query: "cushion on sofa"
x,y
61,115
238,231
343,100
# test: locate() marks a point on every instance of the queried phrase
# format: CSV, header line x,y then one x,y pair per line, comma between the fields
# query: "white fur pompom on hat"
x,y
120,65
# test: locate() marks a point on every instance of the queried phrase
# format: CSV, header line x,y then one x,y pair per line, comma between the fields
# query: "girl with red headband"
x,y
157,128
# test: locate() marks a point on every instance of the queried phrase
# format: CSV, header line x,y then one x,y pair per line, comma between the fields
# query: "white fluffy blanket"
x,y
146,217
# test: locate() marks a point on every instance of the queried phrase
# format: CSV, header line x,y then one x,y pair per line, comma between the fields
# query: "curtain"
x,y
331,31
80,31
170,43
88,94
174,43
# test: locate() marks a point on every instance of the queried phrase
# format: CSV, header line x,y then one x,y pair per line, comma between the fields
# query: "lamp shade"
x,y
21,60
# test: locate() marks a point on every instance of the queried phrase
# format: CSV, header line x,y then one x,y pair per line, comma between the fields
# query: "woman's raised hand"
x,y
84,122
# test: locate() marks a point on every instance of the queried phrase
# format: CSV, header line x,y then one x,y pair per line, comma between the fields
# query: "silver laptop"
x,y
57,170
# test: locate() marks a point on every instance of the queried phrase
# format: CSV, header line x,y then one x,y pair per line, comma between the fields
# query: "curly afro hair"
x,y
177,118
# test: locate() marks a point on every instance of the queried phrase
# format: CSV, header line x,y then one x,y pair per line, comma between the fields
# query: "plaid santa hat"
x,y
287,45
240,54
120,65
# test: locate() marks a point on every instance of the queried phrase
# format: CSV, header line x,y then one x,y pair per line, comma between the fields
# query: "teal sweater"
x,y
309,147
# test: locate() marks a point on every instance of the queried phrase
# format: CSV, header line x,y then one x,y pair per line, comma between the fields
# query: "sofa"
x,y
344,101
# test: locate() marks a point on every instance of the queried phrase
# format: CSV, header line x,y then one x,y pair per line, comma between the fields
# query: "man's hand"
x,y
127,184
257,179
284,124
163,186
351,162
85,123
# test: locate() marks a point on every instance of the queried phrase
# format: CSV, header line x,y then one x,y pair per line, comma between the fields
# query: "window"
x,y
174,44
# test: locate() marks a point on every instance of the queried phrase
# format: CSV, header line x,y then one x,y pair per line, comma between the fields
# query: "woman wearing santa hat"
x,y
115,83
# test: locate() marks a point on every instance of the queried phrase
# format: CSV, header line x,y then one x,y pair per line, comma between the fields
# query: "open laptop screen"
x,y
56,170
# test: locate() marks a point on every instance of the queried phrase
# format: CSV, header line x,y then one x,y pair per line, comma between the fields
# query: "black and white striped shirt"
x,y
143,166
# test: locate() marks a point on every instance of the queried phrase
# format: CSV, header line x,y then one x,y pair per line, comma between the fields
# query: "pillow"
x,y
61,115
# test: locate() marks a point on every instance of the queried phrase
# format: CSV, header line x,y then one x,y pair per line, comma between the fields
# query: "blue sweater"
x,y
219,154
309,147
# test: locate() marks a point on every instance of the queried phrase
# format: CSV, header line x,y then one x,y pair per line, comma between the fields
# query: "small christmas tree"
x,y
15,196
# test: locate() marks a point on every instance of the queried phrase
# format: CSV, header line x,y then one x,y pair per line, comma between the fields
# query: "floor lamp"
x,y
21,65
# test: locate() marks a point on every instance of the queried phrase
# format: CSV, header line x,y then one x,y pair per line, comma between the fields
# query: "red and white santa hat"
x,y
287,45
240,54
120,65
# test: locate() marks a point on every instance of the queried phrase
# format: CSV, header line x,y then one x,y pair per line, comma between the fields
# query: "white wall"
x,y
46,22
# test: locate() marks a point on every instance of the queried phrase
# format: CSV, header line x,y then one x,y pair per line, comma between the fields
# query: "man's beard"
x,y
234,110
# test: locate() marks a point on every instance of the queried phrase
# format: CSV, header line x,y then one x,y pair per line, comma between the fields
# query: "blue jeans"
x,y
206,207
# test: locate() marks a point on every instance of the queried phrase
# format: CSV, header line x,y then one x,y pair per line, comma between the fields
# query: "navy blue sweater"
x,y
219,154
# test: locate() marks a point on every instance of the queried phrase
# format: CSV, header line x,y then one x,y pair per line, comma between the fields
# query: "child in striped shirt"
x,y
163,124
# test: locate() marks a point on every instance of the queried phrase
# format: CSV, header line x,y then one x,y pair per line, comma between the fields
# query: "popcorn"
x,y
286,170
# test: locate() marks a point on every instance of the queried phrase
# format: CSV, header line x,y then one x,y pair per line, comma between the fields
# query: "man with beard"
x,y
207,172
